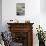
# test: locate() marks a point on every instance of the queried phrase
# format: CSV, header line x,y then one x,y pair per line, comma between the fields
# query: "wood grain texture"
x,y
23,27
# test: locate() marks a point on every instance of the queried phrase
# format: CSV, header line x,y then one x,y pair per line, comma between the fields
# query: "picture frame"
x,y
20,9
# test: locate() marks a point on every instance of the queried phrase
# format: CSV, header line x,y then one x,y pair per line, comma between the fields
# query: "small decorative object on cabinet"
x,y
13,21
27,21
22,33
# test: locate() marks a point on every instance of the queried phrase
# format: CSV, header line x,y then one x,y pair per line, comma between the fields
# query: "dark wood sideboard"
x,y
22,33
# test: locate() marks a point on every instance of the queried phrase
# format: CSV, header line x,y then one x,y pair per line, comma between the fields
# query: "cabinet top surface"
x,y
19,23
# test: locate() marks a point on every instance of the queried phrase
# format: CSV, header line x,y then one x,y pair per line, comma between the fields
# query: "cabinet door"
x,y
20,37
24,38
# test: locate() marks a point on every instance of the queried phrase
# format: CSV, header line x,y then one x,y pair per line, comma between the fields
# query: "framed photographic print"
x,y
20,9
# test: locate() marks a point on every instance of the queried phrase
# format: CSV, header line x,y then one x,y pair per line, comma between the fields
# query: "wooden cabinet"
x,y
22,33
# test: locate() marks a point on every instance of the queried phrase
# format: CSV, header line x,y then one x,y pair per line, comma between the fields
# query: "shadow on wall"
x,y
0,15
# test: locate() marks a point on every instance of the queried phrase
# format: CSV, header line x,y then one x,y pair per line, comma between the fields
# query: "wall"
x,y
9,11
32,13
43,6
43,14
0,15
